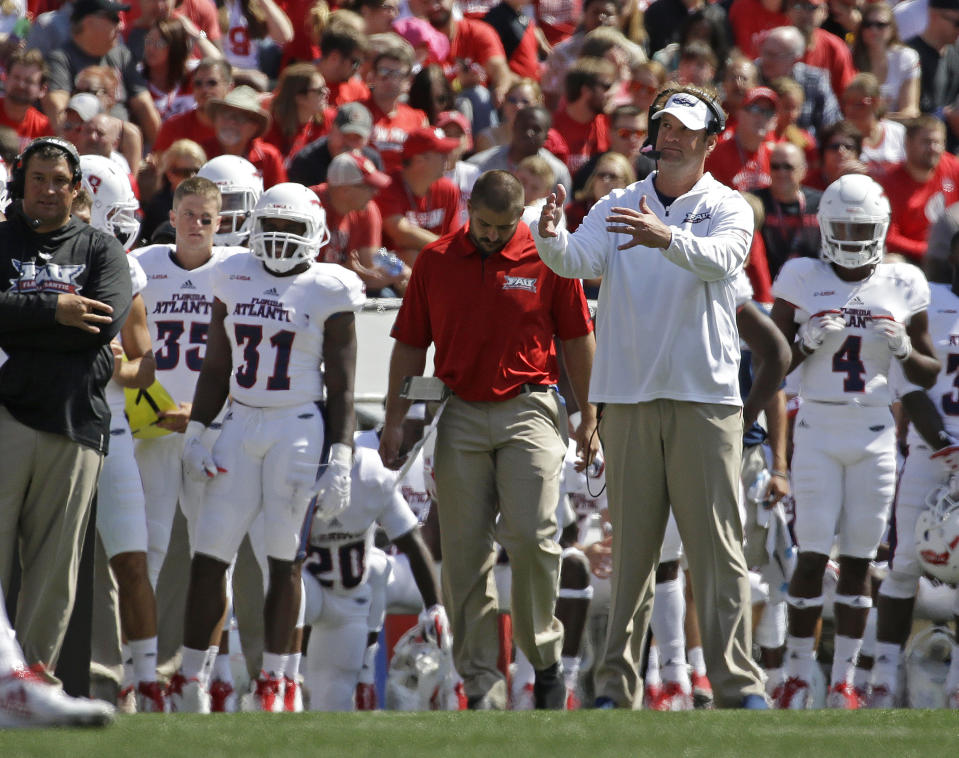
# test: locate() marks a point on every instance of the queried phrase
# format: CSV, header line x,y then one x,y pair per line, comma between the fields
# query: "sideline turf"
x,y
585,734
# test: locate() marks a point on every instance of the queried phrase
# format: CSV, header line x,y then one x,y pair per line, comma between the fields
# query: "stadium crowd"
x,y
212,134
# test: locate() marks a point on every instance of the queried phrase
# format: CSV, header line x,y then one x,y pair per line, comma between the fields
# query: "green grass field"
x,y
585,734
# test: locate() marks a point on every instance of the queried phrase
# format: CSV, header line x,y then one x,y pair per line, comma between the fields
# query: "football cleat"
x,y
702,691
151,698
187,695
222,697
573,702
292,695
26,700
523,699
365,697
881,696
127,700
266,694
794,696
673,697
842,696
652,693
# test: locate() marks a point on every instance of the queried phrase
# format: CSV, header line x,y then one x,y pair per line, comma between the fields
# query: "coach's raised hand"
x,y
642,225
552,213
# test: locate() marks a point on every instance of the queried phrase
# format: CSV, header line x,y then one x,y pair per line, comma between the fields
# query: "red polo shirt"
x,y
492,321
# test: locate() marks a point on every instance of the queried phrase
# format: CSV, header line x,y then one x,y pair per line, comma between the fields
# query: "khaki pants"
x,y
502,459
47,483
687,455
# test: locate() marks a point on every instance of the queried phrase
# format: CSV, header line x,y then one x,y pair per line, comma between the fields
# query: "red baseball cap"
x,y
456,117
352,167
428,140
761,93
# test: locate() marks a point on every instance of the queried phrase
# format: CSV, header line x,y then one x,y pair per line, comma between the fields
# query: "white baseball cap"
x,y
689,109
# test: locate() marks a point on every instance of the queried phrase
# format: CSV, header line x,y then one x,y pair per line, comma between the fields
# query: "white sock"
x,y
274,664
144,654
800,657
774,678
192,662
222,671
129,675
844,657
571,671
667,624
885,666
206,673
697,660
524,673
952,679
860,678
653,676
292,670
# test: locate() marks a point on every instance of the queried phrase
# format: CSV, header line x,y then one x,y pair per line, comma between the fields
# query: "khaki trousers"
x,y
47,483
686,455
500,459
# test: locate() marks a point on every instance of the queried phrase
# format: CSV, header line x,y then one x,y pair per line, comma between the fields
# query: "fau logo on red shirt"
x,y
527,283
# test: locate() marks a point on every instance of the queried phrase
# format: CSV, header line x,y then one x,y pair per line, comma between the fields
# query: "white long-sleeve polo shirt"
x,y
666,320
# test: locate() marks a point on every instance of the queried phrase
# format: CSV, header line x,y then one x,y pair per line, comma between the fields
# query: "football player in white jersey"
x,y
240,184
933,442
848,316
282,331
338,593
121,512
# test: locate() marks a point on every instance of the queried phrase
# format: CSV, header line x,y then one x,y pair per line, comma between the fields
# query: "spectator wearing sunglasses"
x,y
343,49
741,161
582,120
627,132
879,50
938,56
840,146
299,109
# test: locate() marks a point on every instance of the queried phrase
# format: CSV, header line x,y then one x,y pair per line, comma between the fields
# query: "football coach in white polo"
x,y
668,249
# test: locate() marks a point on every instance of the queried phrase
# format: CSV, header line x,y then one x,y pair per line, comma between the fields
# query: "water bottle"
x,y
387,262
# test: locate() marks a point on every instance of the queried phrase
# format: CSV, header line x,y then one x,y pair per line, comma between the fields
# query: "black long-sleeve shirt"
x,y
55,376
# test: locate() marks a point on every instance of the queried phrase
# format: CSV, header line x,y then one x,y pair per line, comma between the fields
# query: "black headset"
x,y
18,175
716,125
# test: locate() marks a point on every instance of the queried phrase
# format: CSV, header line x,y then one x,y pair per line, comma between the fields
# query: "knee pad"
x,y
854,601
899,586
801,603
771,630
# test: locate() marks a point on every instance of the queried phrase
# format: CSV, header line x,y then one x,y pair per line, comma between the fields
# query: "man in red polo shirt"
x,y
582,120
492,308
420,205
212,80
392,120
26,83
920,188
354,221
238,124
741,159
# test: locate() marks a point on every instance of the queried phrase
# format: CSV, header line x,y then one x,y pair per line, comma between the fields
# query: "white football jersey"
x,y
338,549
944,331
853,365
413,484
179,304
582,492
275,326
114,392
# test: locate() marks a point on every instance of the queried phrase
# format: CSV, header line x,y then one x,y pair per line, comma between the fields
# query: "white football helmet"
x,y
282,251
853,218
421,676
927,665
241,185
114,206
937,536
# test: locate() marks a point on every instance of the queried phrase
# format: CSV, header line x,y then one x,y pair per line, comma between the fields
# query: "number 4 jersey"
x,y
178,304
851,366
275,326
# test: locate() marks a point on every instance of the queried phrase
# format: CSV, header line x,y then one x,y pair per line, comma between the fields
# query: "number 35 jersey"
x,y
275,326
178,304
339,547
852,365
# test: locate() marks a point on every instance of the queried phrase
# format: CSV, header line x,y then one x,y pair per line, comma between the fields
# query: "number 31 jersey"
x,y
275,326
852,365
178,304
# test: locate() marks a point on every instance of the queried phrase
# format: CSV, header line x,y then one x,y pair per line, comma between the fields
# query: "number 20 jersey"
x,y
275,327
178,304
852,365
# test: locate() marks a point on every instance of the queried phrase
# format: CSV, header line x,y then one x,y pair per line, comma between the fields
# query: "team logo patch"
x,y
272,291
527,283
680,100
187,285
48,278
695,218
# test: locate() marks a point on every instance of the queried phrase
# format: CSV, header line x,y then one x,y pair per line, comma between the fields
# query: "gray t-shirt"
x,y
70,60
